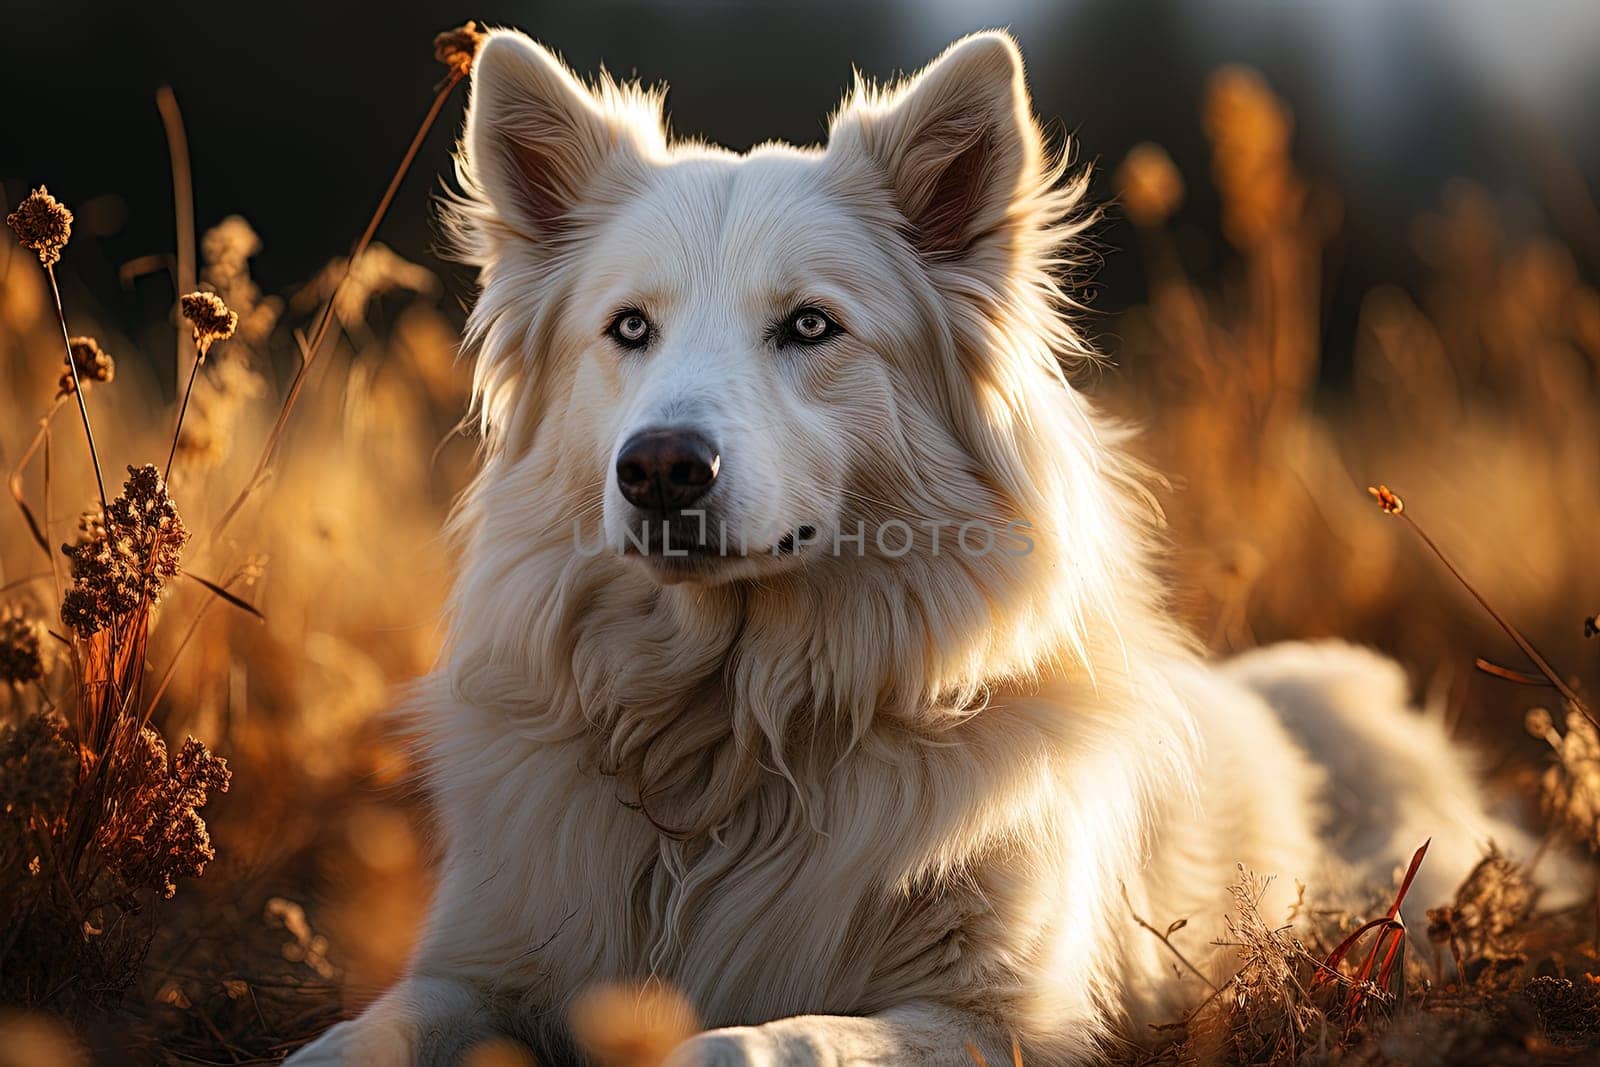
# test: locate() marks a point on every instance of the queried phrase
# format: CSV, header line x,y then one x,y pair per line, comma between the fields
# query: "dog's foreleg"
x,y
421,1021
923,1034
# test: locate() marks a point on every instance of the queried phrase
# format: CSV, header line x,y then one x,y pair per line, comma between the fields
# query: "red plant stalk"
x,y
1393,932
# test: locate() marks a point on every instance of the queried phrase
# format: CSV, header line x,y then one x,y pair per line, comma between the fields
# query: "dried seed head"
x,y
116,571
1488,908
93,363
42,224
1539,723
1149,185
225,253
1570,789
22,648
455,48
1250,129
38,769
211,318
1391,504
1568,1008
227,247
631,1023
31,1037
353,285
156,835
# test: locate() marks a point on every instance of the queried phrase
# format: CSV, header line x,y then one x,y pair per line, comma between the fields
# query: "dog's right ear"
x,y
537,137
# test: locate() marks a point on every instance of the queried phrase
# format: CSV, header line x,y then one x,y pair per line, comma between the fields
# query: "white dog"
x,y
807,653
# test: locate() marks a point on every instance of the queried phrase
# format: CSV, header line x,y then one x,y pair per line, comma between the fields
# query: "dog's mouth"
x,y
682,552
789,543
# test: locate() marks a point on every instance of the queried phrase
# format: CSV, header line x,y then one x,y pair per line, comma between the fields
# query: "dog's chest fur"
x,y
784,909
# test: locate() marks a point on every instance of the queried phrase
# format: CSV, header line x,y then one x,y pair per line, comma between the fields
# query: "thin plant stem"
x,y
177,655
1505,624
77,390
1166,939
55,561
112,679
18,490
177,429
172,665
182,209
270,450
15,583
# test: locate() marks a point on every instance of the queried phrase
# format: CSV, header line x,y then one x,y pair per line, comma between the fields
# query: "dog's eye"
x,y
808,326
630,329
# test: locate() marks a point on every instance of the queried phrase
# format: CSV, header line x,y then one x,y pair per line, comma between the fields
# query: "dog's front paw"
x,y
357,1041
735,1046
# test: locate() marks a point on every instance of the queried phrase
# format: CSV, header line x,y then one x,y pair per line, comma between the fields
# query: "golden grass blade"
x,y
1488,667
34,528
17,583
183,210
1393,505
16,485
233,598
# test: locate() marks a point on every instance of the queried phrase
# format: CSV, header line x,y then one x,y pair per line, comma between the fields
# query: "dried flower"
x,y
1568,1009
42,224
156,835
227,247
210,317
629,1025
22,651
225,253
1494,900
1570,790
36,1039
38,769
1265,1006
455,48
93,363
1391,504
1539,723
353,285
1149,185
1250,129
308,946
116,571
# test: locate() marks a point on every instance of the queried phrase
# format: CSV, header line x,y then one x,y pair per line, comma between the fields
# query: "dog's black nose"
x,y
666,469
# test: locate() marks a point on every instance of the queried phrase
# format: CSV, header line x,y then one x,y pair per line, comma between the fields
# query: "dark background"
x,y
297,112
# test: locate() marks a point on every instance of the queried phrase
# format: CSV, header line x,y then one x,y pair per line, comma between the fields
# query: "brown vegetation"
x,y
270,614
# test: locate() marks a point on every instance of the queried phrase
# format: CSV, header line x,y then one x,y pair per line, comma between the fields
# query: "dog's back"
x,y
1396,778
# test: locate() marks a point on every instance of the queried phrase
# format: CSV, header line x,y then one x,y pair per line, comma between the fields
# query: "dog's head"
x,y
725,366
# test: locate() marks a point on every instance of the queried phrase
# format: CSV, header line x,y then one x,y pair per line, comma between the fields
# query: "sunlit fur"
x,y
913,791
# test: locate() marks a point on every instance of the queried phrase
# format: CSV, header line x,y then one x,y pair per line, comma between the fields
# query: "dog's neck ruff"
x,y
690,695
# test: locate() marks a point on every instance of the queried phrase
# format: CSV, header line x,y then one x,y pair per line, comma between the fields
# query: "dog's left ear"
x,y
957,143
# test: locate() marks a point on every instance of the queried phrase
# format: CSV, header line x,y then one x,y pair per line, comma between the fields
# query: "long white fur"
x,y
859,809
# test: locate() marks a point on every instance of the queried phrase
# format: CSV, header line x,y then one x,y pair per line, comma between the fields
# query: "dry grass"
x,y
315,498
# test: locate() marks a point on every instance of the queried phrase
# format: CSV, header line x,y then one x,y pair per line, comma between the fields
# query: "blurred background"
x,y
1345,243
297,110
